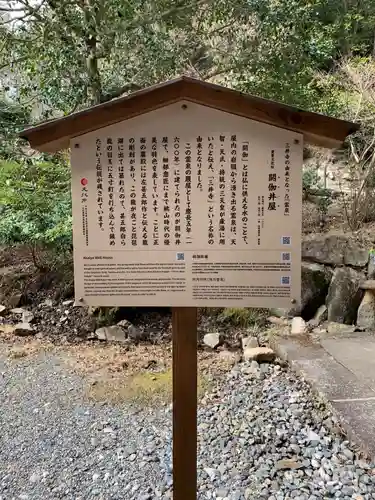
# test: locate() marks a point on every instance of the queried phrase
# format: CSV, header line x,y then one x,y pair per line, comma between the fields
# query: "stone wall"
x,y
338,280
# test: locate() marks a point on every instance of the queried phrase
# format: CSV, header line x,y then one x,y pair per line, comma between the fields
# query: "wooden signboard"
x,y
187,206
187,194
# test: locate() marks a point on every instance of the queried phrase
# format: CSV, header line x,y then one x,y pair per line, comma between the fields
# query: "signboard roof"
x,y
316,129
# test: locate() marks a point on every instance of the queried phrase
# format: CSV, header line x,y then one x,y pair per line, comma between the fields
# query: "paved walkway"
x,y
342,370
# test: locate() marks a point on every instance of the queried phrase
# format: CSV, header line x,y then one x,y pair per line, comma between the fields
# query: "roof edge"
x,y
317,129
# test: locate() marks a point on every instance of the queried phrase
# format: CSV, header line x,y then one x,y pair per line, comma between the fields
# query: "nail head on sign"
x,y
296,141
76,145
184,106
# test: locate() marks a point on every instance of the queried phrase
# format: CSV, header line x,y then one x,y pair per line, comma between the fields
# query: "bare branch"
x,y
4,9
15,61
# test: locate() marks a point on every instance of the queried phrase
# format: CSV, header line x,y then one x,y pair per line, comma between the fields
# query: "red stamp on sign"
x,y
84,181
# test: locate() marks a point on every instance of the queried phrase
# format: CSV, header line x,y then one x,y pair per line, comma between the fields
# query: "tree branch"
x,y
179,7
128,87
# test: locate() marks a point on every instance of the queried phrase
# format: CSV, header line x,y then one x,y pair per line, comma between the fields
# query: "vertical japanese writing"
x,y
167,218
260,224
188,210
121,190
177,196
233,189
111,194
84,198
144,215
272,186
133,196
99,183
222,160
155,205
199,163
287,180
245,186
211,190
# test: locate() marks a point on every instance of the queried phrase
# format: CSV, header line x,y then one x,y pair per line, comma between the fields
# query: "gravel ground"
x,y
260,438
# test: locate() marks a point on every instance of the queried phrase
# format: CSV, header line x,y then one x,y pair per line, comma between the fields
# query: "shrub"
x,y
35,206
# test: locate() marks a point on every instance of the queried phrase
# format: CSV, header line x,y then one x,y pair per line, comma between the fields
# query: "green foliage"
x,y
35,204
310,179
12,117
244,317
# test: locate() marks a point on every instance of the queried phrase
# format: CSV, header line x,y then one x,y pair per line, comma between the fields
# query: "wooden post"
x,y
184,332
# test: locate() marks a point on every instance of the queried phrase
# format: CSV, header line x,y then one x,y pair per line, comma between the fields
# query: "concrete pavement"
x,y
342,370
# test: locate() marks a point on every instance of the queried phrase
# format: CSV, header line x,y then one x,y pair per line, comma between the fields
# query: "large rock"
x,y
3,310
371,265
335,250
315,280
260,354
344,296
113,333
366,311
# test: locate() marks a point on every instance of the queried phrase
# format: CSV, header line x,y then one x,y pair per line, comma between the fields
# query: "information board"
x,y
187,205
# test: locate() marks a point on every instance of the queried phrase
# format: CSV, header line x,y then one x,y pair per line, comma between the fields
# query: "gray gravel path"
x,y
55,444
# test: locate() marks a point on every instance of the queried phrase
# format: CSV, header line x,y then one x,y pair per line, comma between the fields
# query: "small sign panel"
x,y
187,206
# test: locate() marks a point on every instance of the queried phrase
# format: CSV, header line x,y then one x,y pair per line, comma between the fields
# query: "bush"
x,y
35,206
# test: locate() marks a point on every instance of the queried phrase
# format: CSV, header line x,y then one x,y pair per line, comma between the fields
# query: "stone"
x,y
313,438
212,340
3,310
249,342
368,285
371,265
229,357
339,328
299,326
315,280
113,333
17,310
23,330
124,323
68,302
211,473
335,250
320,316
366,311
27,316
344,295
15,299
288,464
348,454
260,354
275,320
132,331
